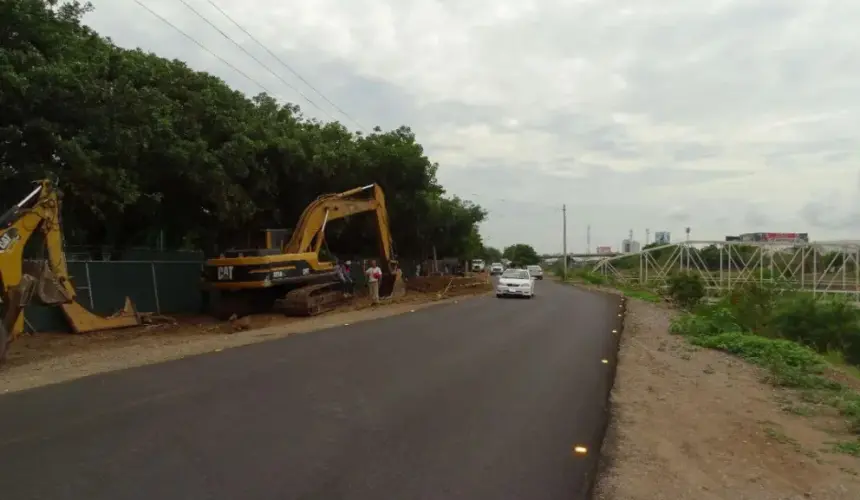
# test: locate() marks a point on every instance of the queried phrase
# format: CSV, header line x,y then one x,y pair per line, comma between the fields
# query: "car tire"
x,y
499,296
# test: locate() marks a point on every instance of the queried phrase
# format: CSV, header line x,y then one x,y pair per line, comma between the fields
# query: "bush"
x,y
593,278
704,322
686,289
824,324
752,305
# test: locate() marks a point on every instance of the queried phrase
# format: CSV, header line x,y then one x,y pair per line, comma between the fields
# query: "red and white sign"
x,y
780,236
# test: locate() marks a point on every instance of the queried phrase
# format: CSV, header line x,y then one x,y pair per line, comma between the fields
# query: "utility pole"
x,y
564,241
588,239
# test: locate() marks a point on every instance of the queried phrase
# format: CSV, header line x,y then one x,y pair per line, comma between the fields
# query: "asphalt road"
x,y
484,399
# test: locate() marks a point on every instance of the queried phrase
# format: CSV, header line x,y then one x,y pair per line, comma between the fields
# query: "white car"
x,y
535,271
516,283
497,268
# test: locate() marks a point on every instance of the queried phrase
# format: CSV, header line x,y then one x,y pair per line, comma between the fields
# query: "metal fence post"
x,y
155,288
89,286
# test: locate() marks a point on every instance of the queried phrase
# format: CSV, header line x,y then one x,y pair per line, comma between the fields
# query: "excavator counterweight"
x,y
290,276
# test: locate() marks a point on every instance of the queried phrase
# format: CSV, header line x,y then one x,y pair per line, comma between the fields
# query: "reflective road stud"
x,y
580,450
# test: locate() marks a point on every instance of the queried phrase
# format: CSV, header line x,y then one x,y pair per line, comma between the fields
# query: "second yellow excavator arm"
x,y
39,211
309,233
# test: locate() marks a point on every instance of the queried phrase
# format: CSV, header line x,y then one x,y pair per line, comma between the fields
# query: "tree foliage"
x,y
142,146
521,254
491,254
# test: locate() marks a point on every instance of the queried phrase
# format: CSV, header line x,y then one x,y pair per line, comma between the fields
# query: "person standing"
x,y
374,274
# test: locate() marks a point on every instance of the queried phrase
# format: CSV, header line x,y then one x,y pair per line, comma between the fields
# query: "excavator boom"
x,y
310,231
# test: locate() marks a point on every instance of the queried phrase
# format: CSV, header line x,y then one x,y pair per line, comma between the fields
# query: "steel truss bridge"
x,y
817,267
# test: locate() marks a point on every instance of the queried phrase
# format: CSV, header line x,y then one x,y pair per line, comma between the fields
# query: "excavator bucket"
x,y
392,285
50,291
83,321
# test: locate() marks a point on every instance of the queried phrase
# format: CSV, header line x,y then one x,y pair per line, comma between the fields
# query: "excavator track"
x,y
312,299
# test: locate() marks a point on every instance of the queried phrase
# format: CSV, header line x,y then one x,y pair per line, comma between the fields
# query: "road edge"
x,y
607,435
196,347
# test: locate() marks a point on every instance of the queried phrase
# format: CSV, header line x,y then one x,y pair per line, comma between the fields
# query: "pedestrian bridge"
x,y
819,267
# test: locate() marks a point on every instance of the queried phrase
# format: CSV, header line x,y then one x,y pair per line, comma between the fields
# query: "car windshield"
x,y
517,274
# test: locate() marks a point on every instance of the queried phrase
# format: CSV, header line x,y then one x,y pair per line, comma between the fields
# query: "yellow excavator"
x,y
42,281
290,276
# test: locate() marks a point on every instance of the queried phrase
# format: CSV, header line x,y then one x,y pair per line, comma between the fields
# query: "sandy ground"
x,y
45,358
700,425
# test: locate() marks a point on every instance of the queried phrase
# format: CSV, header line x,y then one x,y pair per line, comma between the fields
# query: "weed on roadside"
x,y
793,336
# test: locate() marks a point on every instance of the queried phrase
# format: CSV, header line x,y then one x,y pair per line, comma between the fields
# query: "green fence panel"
x,y
178,287
112,281
45,319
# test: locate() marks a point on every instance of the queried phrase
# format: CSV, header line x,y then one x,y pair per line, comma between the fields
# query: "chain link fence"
x,y
164,287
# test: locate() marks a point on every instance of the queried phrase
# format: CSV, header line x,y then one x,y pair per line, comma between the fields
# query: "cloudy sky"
x,y
726,116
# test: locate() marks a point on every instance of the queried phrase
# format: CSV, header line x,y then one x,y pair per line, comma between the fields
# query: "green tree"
x,y
521,254
144,146
492,254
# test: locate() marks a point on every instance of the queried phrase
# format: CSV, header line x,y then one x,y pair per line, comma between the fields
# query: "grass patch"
x,y
646,295
848,448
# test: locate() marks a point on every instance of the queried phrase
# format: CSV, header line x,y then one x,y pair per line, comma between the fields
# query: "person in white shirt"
x,y
374,274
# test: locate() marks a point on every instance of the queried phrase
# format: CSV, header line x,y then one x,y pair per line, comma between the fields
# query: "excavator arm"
x,y
309,233
48,281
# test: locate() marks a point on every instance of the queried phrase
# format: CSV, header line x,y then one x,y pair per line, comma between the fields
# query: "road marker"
x,y
346,324
619,315
604,361
219,349
614,331
580,450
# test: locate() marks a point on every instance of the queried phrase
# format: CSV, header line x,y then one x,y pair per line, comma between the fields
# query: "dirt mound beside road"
x,y
449,286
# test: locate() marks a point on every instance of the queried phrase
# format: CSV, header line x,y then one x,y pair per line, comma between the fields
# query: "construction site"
x,y
55,308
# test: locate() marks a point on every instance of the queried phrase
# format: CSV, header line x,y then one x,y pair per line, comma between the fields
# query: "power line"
x,y
252,56
543,206
285,65
186,35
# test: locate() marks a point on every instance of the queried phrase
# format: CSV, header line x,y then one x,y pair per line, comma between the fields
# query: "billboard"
x,y
604,249
776,237
662,237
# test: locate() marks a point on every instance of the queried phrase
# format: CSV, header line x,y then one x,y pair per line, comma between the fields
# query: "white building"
x,y
629,246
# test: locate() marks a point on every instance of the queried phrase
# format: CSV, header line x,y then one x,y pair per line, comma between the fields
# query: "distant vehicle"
x,y
516,283
535,271
478,265
497,268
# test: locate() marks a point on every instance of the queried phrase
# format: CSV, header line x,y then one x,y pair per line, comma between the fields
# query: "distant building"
x,y
629,246
604,249
771,237
662,238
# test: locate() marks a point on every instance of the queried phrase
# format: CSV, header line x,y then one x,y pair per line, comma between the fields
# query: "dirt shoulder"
x,y
45,358
697,424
